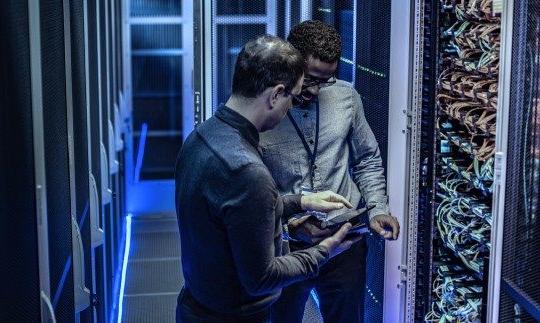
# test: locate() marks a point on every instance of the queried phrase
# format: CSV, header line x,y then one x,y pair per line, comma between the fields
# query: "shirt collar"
x,y
237,121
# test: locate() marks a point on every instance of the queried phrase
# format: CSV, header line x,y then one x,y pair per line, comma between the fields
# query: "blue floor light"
x,y
124,267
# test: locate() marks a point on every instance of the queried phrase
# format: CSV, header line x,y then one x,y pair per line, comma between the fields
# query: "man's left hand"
x,y
324,202
380,222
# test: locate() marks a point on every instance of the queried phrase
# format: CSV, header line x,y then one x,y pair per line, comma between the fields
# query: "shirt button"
x,y
305,114
311,141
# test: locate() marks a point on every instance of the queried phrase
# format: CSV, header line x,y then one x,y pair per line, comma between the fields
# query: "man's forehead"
x,y
320,69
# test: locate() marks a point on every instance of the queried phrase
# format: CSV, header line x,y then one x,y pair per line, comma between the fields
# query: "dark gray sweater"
x,y
229,214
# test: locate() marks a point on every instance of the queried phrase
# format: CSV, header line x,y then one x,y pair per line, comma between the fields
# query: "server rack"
x,y
80,144
50,168
457,115
64,235
24,234
458,133
95,166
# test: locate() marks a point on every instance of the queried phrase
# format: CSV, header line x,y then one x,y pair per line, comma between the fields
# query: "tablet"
x,y
352,216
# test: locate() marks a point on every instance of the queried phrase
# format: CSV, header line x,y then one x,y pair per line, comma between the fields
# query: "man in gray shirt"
x,y
325,143
229,210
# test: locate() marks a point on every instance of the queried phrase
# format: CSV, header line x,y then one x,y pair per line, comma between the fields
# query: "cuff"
x,y
381,206
291,205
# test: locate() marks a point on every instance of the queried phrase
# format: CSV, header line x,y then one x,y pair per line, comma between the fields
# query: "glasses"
x,y
310,81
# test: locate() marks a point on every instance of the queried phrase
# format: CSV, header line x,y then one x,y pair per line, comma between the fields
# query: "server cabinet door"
x,y
96,169
514,285
24,278
68,281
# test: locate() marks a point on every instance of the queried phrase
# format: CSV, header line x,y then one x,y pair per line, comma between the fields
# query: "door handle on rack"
x,y
95,230
106,193
118,127
82,293
114,166
45,299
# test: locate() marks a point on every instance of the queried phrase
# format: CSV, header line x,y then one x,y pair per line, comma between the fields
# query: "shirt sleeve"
x,y
366,163
252,225
291,205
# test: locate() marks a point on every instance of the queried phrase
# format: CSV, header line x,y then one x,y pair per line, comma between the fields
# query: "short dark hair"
x,y
315,38
265,62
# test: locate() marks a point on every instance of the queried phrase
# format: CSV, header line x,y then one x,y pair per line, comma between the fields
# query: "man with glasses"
x,y
325,143
229,210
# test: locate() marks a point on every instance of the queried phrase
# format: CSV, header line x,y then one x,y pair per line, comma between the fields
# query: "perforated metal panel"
x,y
372,66
104,61
520,277
111,147
106,93
159,57
80,137
119,45
95,134
234,23
144,8
56,158
19,275
94,94
230,38
372,81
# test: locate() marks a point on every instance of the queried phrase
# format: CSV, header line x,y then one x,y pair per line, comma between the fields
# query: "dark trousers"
x,y
340,288
189,310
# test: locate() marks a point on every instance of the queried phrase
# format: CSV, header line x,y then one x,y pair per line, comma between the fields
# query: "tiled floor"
x,y
154,275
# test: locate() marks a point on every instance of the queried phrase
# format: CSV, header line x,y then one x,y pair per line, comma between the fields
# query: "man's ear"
x,y
275,93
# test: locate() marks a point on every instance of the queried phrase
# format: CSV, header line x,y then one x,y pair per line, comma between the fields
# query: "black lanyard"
x,y
312,155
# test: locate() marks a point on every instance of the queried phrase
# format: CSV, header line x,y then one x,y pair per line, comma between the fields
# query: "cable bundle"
x,y
466,98
463,232
458,298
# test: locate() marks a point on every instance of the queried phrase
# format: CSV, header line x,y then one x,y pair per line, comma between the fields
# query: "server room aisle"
x,y
153,272
153,275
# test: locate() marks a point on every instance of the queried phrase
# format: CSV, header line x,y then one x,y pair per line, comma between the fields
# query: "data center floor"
x,y
154,272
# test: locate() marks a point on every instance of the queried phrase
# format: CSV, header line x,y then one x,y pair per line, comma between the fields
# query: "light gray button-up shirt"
x,y
348,159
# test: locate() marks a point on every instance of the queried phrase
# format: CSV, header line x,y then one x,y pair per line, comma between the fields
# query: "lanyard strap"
x,y
312,155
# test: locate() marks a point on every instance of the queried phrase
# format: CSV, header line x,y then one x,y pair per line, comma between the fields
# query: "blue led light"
x,y
140,152
124,266
315,297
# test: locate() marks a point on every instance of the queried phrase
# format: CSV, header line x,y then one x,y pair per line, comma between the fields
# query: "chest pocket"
x,y
283,161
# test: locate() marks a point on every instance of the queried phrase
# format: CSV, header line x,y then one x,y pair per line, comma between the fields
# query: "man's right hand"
x,y
337,243
324,202
306,230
